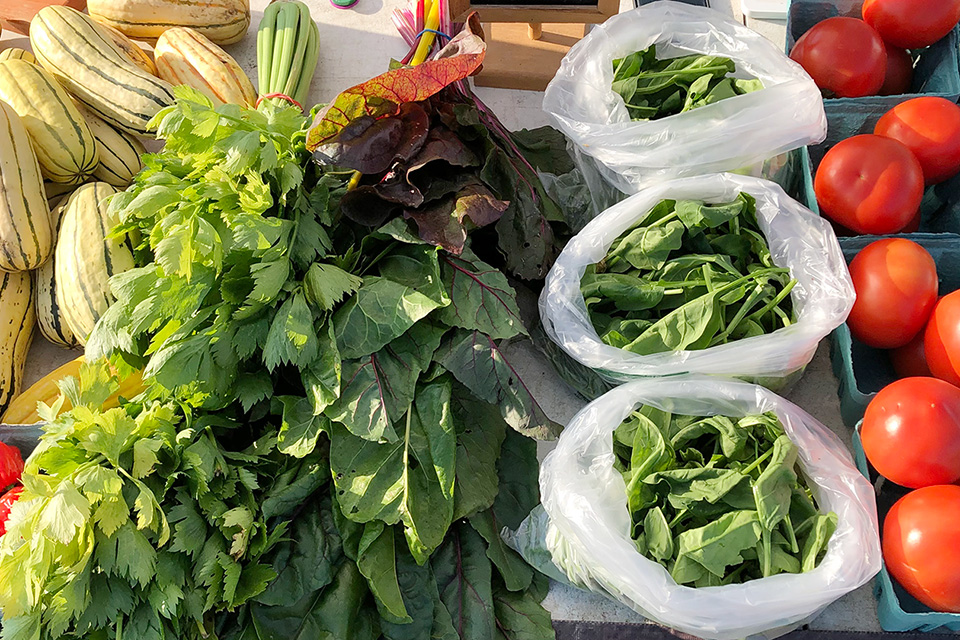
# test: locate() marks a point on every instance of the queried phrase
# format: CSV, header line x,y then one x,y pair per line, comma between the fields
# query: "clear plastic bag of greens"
x,y
732,134
798,240
588,524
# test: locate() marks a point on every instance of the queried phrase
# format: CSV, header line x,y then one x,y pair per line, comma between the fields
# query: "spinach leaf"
x,y
652,88
717,545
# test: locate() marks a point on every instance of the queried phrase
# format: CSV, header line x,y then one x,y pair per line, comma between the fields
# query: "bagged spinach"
x,y
762,325
723,454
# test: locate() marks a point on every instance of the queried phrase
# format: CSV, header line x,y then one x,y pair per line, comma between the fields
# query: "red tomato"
x,y
911,24
869,184
899,71
909,360
941,340
921,545
6,501
896,284
930,127
844,56
911,432
11,465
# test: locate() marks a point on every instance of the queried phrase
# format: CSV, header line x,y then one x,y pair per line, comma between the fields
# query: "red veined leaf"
x,y
382,96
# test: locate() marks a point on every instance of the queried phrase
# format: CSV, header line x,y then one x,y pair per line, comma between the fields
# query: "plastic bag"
x,y
728,135
798,239
588,534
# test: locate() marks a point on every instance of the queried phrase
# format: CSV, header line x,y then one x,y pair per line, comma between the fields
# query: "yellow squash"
x,y
61,138
73,47
130,49
223,21
26,239
186,56
15,53
86,258
23,410
52,325
17,320
119,151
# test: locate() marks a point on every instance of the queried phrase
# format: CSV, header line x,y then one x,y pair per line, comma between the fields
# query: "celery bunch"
x,y
288,46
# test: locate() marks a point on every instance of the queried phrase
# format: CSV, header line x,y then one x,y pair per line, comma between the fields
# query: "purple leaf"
x,y
372,145
444,223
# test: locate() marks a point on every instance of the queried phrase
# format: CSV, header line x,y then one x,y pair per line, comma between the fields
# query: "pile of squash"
x,y
72,113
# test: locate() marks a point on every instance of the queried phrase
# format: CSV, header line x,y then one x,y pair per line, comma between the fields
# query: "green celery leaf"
x,y
293,337
326,285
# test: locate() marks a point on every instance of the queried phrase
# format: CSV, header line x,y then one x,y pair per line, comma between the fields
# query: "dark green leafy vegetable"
x,y
653,88
718,500
689,275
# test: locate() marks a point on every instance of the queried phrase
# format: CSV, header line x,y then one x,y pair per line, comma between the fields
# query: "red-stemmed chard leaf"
x,y
382,96
371,145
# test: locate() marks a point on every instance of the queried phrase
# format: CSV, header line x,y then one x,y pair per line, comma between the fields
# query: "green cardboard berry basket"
x,y
861,370
936,73
897,610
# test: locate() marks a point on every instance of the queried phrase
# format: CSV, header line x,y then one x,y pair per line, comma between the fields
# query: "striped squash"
x,y
119,152
223,21
17,320
186,56
85,258
74,48
15,53
52,325
26,238
57,193
61,137
130,49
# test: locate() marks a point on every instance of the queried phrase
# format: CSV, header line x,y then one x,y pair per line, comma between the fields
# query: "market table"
x,y
357,44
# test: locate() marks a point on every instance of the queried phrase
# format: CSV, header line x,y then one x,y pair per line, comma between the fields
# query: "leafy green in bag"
x,y
653,88
718,500
690,275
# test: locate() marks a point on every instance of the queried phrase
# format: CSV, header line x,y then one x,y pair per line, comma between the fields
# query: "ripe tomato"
x,y
941,340
844,56
869,184
896,284
911,24
909,360
899,71
911,432
6,502
921,545
930,127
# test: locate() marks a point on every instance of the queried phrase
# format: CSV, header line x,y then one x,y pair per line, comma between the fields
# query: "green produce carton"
x,y
862,370
897,610
940,209
937,68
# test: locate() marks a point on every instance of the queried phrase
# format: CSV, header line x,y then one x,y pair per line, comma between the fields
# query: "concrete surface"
x,y
356,45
